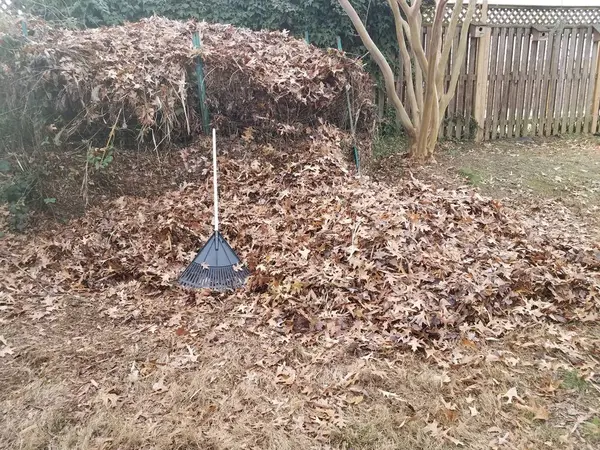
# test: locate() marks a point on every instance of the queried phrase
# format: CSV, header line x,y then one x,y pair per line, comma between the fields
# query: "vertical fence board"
x,y
578,75
451,123
461,115
539,87
568,74
579,68
545,85
522,83
506,81
551,101
487,132
499,82
586,83
512,104
560,85
531,86
596,94
512,108
567,81
572,71
482,82
590,114
470,85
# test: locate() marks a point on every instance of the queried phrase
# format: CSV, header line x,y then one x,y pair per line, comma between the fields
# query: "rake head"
x,y
216,266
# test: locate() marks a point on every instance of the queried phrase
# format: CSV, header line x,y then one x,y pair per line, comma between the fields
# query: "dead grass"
x,y
99,383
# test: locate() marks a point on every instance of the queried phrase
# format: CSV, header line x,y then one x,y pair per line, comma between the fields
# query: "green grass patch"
x,y
572,380
591,430
471,175
384,146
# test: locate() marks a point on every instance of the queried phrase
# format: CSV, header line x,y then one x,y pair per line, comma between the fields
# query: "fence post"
x,y
596,98
484,34
200,78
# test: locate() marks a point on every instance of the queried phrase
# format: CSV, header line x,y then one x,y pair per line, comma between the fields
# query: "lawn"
x,y
562,169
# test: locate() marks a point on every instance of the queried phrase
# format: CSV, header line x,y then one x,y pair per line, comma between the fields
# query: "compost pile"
x,y
407,265
140,78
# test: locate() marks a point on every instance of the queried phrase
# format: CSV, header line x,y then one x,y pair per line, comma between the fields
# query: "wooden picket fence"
x,y
526,79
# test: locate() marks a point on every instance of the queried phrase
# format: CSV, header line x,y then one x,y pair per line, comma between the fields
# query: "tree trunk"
x,y
424,67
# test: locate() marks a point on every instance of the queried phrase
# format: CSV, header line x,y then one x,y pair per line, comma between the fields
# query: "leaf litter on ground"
x,y
333,256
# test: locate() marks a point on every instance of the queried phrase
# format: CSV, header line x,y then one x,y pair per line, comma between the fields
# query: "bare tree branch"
x,y
384,66
458,59
413,16
430,89
436,125
448,41
407,63
419,72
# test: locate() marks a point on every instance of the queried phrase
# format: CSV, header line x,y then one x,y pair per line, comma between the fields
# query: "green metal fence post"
x,y
350,118
201,84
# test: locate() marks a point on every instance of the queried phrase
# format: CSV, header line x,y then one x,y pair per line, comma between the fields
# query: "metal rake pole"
x,y
215,189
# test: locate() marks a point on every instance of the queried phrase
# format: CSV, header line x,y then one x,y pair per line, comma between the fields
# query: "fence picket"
x,y
578,76
470,86
592,92
545,85
522,83
585,82
461,90
552,88
487,132
560,84
507,82
568,74
539,88
499,83
514,85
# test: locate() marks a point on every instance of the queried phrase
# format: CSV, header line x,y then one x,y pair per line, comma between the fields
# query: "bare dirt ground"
x,y
129,373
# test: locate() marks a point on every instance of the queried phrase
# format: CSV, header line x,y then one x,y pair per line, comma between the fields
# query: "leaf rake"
x,y
216,266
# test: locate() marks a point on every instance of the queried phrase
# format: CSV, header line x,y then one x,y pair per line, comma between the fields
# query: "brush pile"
x,y
330,254
140,77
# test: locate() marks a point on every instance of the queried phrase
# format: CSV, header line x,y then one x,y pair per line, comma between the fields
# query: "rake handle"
x,y
215,192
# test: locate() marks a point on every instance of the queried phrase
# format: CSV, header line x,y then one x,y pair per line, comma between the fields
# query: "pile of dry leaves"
x,y
140,77
331,254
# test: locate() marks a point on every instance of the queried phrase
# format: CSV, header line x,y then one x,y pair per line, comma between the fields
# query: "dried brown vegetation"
x,y
140,78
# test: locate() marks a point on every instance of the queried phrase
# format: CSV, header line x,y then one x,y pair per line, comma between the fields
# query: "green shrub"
x,y
18,190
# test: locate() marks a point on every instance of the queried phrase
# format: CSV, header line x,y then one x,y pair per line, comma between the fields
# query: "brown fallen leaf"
x,y
450,415
6,350
539,412
355,400
160,386
511,394
433,429
285,375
